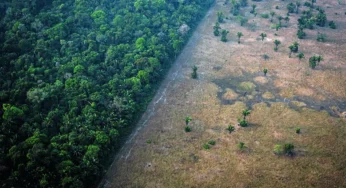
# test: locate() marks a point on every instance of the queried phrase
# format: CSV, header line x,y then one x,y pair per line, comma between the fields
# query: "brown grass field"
x,y
161,154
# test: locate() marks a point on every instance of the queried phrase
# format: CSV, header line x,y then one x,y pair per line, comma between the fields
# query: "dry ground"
x,y
287,98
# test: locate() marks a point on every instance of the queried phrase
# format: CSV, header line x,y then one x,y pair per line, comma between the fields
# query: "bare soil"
x,y
230,79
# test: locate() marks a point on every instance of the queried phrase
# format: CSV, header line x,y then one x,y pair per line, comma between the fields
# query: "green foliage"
x,y
75,77
294,48
298,130
241,145
332,25
239,34
266,16
321,37
253,6
11,112
188,119
321,18
206,146
194,74
300,56
187,129
216,29
242,20
265,71
301,34
224,34
276,43
263,35
220,17
287,149
148,141
212,142
230,128
314,60
291,7
243,123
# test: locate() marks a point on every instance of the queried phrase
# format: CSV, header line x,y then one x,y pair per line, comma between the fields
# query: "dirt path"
x,y
160,154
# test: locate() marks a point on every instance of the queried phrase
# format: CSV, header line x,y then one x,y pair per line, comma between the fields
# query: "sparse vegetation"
x,y
265,71
298,130
239,34
293,48
321,37
187,129
206,146
224,34
220,17
216,29
212,142
277,43
253,6
194,74
332,25
314,60
287,149
188,119
230,128
263,35
300,56
241,145
272,14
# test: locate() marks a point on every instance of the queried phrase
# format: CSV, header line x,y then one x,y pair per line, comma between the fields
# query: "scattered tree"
x,y
253,6
194,72
241,145
314,60
239,34
272,14
265,71
301,56
230,128
220,17
187,129
263,35
298,130
332,25
216,29
246,113
224,35
321,37
188,119
277,43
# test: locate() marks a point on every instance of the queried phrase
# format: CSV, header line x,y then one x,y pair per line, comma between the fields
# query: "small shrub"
x,y
241,145
212,142
265,56
230,128
298,130
278,149
321,37
188,119
206,146
332,25
243,123
266,16
148,141
188,129
194,72
265,71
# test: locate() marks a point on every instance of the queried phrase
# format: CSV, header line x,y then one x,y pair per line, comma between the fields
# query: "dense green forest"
x,y
75,74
